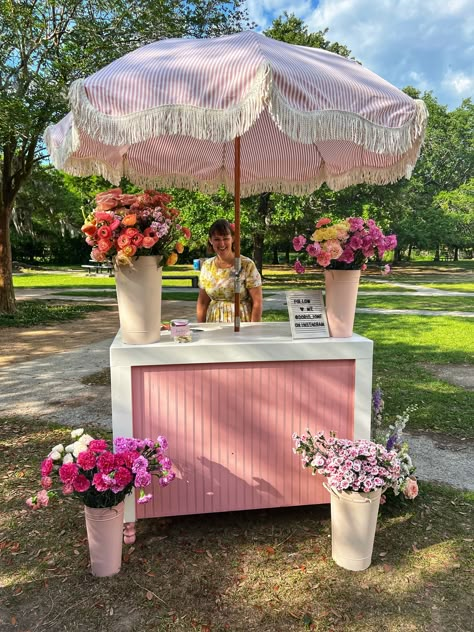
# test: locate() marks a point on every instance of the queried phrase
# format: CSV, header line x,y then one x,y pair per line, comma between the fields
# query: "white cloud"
x,y
424,43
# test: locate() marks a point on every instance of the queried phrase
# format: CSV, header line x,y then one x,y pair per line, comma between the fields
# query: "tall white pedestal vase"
x,y
342,287
353,524
139,300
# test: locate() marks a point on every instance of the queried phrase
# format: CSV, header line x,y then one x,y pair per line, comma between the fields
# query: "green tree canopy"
x,y
46,45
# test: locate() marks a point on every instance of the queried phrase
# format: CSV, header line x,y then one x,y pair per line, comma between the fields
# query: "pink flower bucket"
x,y
341,298
104,535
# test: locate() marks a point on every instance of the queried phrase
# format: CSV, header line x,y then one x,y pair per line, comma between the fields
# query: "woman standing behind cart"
x,y
216,295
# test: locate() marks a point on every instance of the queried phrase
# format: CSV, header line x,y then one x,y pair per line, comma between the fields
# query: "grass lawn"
x,y
403,348
250,571
444,303
33,313
166,296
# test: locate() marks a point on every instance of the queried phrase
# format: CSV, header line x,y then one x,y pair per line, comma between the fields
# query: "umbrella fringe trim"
x,y
225,125
60,154
329,125
366,175
184,120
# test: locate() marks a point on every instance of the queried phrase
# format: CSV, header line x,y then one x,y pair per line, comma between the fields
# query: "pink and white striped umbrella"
x,y
167,115
244,111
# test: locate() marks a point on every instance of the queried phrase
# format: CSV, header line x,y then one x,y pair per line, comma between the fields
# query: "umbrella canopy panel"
x,y
167,114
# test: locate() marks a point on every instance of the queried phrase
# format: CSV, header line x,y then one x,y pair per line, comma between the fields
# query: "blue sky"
x,y
428,44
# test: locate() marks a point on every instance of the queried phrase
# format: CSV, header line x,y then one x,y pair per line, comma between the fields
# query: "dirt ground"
x,y
21,344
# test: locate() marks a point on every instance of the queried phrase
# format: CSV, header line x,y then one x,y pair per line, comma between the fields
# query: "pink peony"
x,y
105,462
68,472
299,243
324,259
386,270
86,460
98,445
299,268
123,476
101,482
333,247
46,482
313,249
81,484
410,490
68,489
43,498
32,504
46,467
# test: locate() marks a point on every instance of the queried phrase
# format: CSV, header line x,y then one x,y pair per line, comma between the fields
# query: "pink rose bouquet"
x,y
344,245
89,470
352,466
123,226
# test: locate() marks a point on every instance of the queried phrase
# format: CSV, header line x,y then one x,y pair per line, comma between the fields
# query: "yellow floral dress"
x,y
219,286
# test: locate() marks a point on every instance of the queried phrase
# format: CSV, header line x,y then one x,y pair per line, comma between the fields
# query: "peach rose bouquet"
x,y
123,226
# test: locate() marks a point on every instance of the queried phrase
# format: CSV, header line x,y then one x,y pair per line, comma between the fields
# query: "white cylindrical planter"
x,y
104,536
341,299
353,523
139,300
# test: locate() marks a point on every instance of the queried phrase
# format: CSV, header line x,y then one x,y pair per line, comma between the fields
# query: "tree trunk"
x,y
456,253
258,250
437,255
7,294
275,256
287,255
409,252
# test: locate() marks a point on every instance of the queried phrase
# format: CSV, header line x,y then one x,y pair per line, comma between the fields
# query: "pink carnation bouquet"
x,y
123,226
344,245
89,470
352,466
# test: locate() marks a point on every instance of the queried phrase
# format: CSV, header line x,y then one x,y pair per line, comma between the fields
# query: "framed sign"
x,y
307,314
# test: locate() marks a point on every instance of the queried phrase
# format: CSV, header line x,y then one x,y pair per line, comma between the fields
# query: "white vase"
x,y
105,536
341,299
353,523
139,300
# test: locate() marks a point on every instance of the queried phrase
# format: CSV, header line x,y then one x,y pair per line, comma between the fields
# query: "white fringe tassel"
x,y
184,120
326,125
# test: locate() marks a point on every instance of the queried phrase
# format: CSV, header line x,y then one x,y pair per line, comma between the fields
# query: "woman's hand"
x,y
256,295
202,305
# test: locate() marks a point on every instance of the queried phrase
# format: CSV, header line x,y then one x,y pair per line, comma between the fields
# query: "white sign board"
x,y
307,314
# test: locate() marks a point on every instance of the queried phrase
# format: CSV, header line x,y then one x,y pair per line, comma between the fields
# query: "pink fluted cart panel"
x,y
229,429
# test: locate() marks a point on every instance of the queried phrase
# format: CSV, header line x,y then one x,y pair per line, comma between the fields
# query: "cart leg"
x,y
129,533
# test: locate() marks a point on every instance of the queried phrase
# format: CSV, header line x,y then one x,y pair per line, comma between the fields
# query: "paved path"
x,y
50,388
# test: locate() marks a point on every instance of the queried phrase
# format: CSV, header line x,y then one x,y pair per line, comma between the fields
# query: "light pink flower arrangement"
x,y
124,226
352,466
89,470
345,245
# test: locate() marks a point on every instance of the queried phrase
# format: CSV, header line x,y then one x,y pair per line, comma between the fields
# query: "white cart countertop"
x,y
256,342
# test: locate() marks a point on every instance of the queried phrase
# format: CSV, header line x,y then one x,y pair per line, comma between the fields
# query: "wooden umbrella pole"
x,y
237,233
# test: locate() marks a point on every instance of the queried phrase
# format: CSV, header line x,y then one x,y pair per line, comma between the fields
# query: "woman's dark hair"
x,y
219,227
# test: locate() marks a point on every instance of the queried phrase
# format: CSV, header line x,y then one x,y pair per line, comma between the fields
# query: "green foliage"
x,y
46,45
